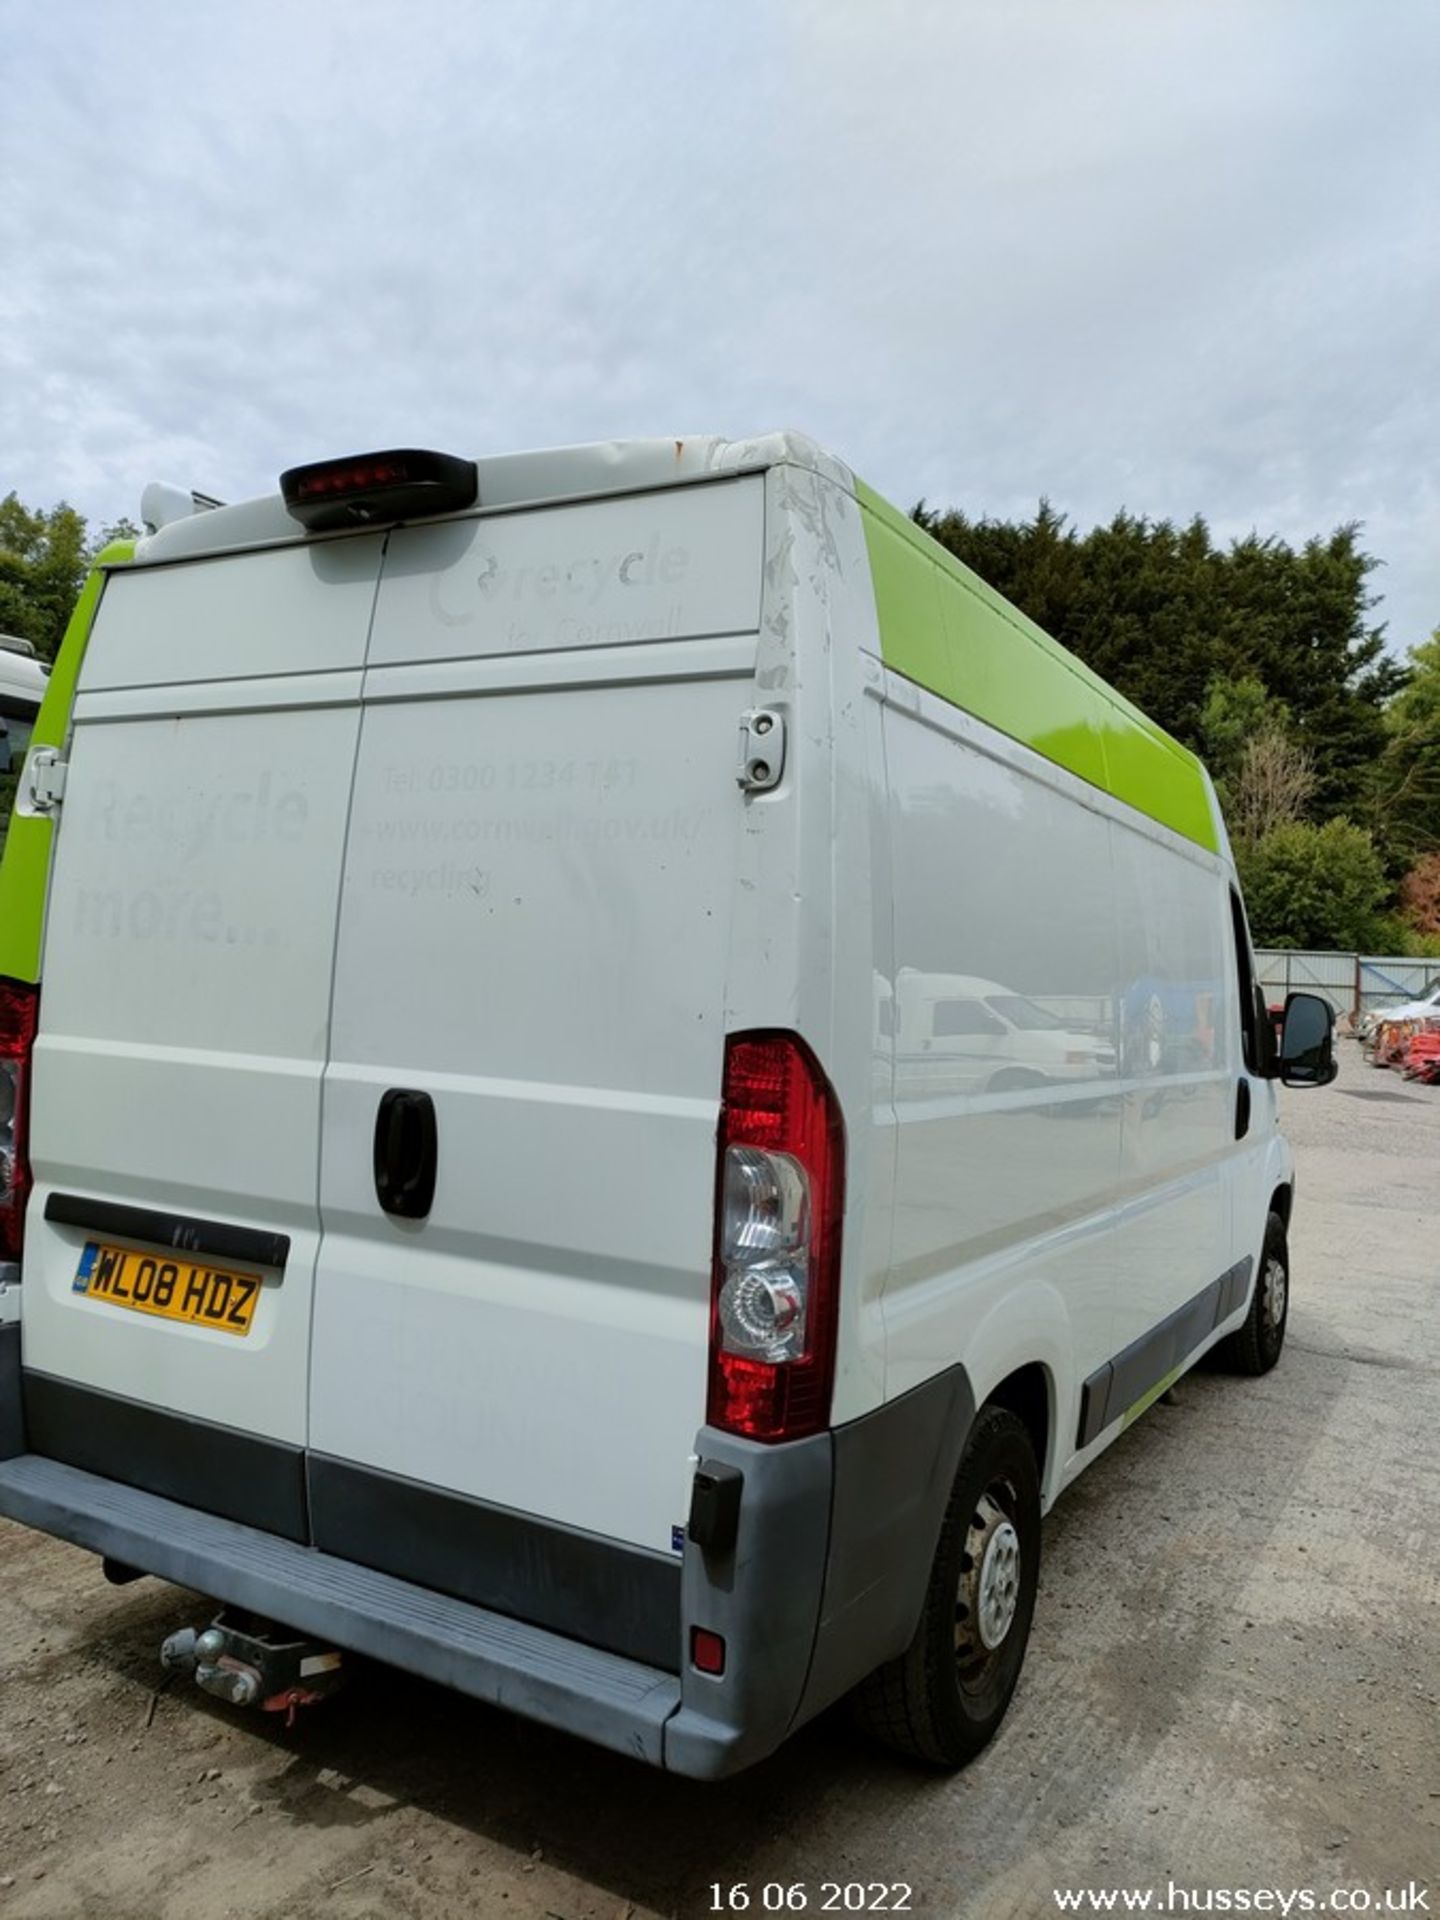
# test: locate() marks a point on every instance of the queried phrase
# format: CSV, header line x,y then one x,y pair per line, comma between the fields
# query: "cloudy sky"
x,y
1175,255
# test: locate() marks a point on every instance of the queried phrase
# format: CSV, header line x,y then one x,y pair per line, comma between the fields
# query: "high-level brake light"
x,y
369,489
19,1007
777,1241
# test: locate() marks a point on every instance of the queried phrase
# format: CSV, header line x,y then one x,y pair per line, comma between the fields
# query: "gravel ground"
x,y
1233,1681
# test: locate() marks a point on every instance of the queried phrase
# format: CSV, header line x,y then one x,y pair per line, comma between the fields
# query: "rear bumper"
x,y
821,1580
615,1702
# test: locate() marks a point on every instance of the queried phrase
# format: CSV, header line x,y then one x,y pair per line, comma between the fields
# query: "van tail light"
x,y
19,1007
780,1204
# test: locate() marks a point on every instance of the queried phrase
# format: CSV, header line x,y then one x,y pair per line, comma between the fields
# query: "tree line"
x,y
1262,658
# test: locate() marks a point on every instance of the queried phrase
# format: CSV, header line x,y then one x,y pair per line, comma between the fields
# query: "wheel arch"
x,y
1021,1356
1029,1393
1282,1202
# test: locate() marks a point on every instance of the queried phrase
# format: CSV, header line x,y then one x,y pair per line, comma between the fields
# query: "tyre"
x,y
943,1698
1255,1347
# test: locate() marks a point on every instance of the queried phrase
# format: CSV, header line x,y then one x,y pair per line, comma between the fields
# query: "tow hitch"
x,y
254,1663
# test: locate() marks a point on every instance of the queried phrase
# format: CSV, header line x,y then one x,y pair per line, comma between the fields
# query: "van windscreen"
x,y
1023,1013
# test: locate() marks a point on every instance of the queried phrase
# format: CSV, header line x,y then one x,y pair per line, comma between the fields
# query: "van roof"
x,y
986,657
509,480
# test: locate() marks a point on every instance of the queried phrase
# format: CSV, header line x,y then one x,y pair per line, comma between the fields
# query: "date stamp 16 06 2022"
x,y
821,1896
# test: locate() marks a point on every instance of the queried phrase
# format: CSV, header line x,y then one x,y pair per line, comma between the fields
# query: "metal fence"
x,y
1353,983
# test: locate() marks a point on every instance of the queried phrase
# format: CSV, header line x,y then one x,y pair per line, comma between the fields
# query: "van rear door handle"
x,y
406,1153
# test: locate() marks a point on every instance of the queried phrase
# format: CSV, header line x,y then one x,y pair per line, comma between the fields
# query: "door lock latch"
x,y
762,750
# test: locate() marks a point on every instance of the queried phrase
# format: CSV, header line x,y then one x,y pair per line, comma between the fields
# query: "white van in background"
x,y
956,1033
628,1074
1425,1006
23,680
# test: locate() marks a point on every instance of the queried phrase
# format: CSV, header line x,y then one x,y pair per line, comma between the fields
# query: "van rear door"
x,y
529,1015
183,1025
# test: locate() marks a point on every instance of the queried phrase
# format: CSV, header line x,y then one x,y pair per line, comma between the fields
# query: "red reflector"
x,y
19,1011
707,1650
777,1097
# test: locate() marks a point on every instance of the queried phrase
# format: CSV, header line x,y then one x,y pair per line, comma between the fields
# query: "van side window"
x,y
963,1016
1249,991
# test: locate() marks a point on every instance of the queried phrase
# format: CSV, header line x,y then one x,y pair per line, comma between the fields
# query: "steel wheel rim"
x,y
1274,1292
999,1586
991,1567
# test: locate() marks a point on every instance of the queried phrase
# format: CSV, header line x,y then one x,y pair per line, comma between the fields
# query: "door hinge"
x,y
762,749
45,779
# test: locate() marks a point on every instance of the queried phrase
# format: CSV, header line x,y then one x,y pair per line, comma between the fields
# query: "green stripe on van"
x,y
25,869
1148,1398
943,627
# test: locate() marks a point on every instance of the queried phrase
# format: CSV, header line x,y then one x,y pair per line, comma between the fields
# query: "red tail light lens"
x,y
781,1199
19,1007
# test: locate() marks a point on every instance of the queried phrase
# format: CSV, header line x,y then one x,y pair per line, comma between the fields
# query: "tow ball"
x,y
254,1663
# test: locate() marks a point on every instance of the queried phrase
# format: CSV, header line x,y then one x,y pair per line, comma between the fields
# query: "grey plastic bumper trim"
x,y
1173,1342
613,1701
12,1416
239,1476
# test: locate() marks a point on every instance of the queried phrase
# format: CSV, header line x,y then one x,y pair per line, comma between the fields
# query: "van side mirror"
x,y
1306,1055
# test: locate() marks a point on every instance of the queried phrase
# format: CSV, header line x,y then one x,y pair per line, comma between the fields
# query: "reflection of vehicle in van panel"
x,y
962,1033
536,1156
1169,1024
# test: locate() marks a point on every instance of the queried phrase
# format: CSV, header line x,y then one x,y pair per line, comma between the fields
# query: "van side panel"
x,y
1006,1081
1180,1064
1116,915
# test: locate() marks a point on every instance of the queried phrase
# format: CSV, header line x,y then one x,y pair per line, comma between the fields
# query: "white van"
x,y
955,1034
23,680
1425,1006
469,1193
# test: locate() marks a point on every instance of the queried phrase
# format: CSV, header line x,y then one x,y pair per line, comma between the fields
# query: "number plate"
x,y
175,1289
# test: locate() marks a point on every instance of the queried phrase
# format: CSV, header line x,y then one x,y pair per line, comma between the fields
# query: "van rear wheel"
x,y
943,1698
